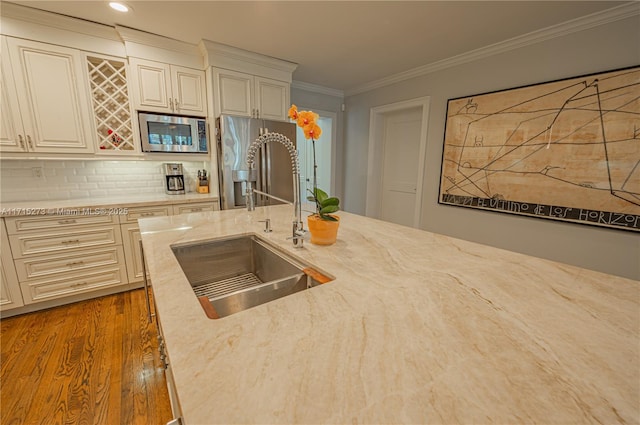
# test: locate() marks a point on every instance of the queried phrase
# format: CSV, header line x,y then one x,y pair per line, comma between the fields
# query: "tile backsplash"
x,y
36,180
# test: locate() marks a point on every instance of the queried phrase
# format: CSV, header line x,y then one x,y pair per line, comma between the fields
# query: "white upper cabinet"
x,y
12,135
161,87
188,90
46,97
244,94
271,98
247,83
234,92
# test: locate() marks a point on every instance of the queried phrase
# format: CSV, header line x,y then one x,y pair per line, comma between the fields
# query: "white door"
x,y
324,156
400,165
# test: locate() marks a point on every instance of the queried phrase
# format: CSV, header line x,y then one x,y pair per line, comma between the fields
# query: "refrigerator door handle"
x,y
263,173
268,173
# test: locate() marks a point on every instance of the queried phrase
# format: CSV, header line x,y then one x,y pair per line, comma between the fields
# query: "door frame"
x,y
376,155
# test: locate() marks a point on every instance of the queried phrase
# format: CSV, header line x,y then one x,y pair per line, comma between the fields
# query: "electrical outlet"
x,y
37,172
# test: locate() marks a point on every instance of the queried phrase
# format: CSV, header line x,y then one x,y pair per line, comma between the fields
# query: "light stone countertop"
x,y
59,206
416,328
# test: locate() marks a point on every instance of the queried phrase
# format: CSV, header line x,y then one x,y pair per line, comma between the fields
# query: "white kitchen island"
x,y
416,328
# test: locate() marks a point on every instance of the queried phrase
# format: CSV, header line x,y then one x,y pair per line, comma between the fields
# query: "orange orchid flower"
x,y
293,112
312,131
307,117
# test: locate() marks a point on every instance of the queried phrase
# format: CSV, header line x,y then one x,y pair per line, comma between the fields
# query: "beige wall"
x,y
604,47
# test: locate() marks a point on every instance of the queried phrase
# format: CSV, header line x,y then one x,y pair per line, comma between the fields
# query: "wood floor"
x,y
93,362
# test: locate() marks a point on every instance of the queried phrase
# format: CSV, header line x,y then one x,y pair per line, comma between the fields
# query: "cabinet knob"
x,y
177,104
21,141
171,104
30,142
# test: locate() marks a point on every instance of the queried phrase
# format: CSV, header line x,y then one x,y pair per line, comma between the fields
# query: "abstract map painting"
x,y
565,150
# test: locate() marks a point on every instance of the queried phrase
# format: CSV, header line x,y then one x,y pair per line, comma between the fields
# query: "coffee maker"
x,y
174,178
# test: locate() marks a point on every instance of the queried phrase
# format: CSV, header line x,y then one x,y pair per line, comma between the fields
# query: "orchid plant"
x,y
325,204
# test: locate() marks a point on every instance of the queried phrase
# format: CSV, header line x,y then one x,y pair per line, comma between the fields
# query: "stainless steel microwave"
x,y
171,133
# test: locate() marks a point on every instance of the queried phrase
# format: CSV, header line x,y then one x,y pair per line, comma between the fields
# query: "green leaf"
x,y
328,217
330,201
329,209
321,195
311,198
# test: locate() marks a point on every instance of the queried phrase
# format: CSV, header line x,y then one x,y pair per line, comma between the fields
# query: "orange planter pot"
x,y
323,232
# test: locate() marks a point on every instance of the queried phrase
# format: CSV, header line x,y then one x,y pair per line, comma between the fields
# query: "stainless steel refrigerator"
x,y
272,173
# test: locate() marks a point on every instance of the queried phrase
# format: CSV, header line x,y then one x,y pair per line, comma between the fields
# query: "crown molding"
x,y
569,27
54,20
39,25
132,35
150,46
233,58
315,88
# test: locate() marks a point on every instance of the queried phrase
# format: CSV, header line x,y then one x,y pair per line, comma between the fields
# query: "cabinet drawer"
x,y
194,207
27,244
72,283
52,265
55,222
145,212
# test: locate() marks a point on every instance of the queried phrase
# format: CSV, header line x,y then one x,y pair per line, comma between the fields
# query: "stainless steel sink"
x,y
233,274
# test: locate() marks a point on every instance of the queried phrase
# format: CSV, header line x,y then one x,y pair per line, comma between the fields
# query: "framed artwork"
x,y
564,150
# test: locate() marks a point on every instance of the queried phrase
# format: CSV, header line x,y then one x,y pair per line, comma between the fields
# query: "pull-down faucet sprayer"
x,y
298,226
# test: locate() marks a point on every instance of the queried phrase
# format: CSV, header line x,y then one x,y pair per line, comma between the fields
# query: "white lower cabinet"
x,y
135,213
63,241
10,295
131,232
195,207
131,238
73,283
57,256
44,266
131,241
168,373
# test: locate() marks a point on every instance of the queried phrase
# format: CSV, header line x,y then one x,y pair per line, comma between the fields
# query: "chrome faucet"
x,y
298,231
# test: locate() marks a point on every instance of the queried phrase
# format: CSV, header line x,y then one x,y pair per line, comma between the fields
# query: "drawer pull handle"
x,y
75,263
75,285
196,209
71,241
71,221
146,214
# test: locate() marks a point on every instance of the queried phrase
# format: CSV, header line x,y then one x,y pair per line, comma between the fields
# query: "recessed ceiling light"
x,y
120,7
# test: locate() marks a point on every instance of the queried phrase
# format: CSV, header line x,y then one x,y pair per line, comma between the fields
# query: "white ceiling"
x,y
339,44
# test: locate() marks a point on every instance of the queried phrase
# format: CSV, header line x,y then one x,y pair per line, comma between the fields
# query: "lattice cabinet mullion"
x,y
110,101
